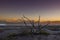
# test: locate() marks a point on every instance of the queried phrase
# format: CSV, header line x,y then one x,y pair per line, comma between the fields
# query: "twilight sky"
x,y
48,10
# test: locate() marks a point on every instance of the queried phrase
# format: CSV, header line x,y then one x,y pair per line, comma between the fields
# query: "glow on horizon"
x,y
35,19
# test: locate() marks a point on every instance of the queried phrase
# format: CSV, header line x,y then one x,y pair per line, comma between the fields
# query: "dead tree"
x,y
32,23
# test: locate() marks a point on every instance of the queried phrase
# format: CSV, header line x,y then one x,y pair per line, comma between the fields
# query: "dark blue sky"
x,y
47,9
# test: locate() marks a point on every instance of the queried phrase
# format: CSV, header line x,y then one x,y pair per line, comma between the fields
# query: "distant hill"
x,y
51,22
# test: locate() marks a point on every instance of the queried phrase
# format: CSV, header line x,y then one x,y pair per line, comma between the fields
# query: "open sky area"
x,y
46,9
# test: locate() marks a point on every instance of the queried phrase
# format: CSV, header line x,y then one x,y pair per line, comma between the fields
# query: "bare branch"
x,y
46,24
24,22
39,22
31,22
